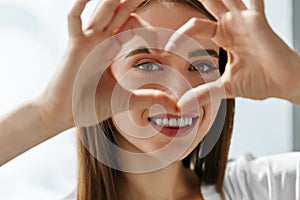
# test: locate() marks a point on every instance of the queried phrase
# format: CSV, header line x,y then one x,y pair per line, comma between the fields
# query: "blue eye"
x,y
203,67
148,66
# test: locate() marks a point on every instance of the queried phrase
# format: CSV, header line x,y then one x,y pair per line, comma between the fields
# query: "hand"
x,y
110,17
260,64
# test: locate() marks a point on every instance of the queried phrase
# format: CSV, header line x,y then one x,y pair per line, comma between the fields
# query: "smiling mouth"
x,y
173,126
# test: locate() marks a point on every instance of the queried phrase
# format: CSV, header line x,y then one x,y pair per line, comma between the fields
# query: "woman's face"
x,y
170,69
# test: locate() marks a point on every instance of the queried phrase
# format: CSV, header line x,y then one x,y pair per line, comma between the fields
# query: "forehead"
x,y
169,15
172,16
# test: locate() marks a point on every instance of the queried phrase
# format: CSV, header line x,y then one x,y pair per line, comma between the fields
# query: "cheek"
x,y
197,79
139,117
133,126
131,122
127,124
135,134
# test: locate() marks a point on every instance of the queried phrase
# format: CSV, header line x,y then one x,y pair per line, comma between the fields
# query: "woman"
x,y
254,70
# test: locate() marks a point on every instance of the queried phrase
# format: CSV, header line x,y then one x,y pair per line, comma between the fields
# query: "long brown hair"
x,y
96,181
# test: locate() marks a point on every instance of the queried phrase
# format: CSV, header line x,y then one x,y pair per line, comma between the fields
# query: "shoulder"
x,y
269,177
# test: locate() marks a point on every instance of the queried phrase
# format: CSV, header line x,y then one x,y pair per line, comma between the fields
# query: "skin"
x,y
153,15
255,70
173,182
248,73
51,112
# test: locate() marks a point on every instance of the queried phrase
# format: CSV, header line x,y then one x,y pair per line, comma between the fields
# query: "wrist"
x,y
49,119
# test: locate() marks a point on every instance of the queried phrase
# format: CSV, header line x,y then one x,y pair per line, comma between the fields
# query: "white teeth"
x,y
165,121
181,122
187,121
172,122
159,122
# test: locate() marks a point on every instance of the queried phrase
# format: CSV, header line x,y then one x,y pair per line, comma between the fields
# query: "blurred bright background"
x,y
33,37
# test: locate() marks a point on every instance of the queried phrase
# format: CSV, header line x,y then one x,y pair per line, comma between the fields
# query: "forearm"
x,y
22,129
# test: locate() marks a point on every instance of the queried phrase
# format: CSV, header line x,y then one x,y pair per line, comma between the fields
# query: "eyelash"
x,y
208,67
139,66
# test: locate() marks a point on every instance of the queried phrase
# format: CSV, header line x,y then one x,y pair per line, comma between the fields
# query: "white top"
x,y
267,178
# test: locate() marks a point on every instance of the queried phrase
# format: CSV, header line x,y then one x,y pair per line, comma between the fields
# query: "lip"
x,y
173,116
174,131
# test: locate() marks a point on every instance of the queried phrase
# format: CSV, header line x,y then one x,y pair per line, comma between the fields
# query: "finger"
x,y
103,14
201,28
235,4
134,21
195,27
257,5
145,98
142,28
122,14
205,94
74,20
215,7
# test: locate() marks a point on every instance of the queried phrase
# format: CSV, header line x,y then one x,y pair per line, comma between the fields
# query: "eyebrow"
x,y
199,52
142,50
204,52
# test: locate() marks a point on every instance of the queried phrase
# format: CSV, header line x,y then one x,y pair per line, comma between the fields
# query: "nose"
x,y
174,76
175,82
